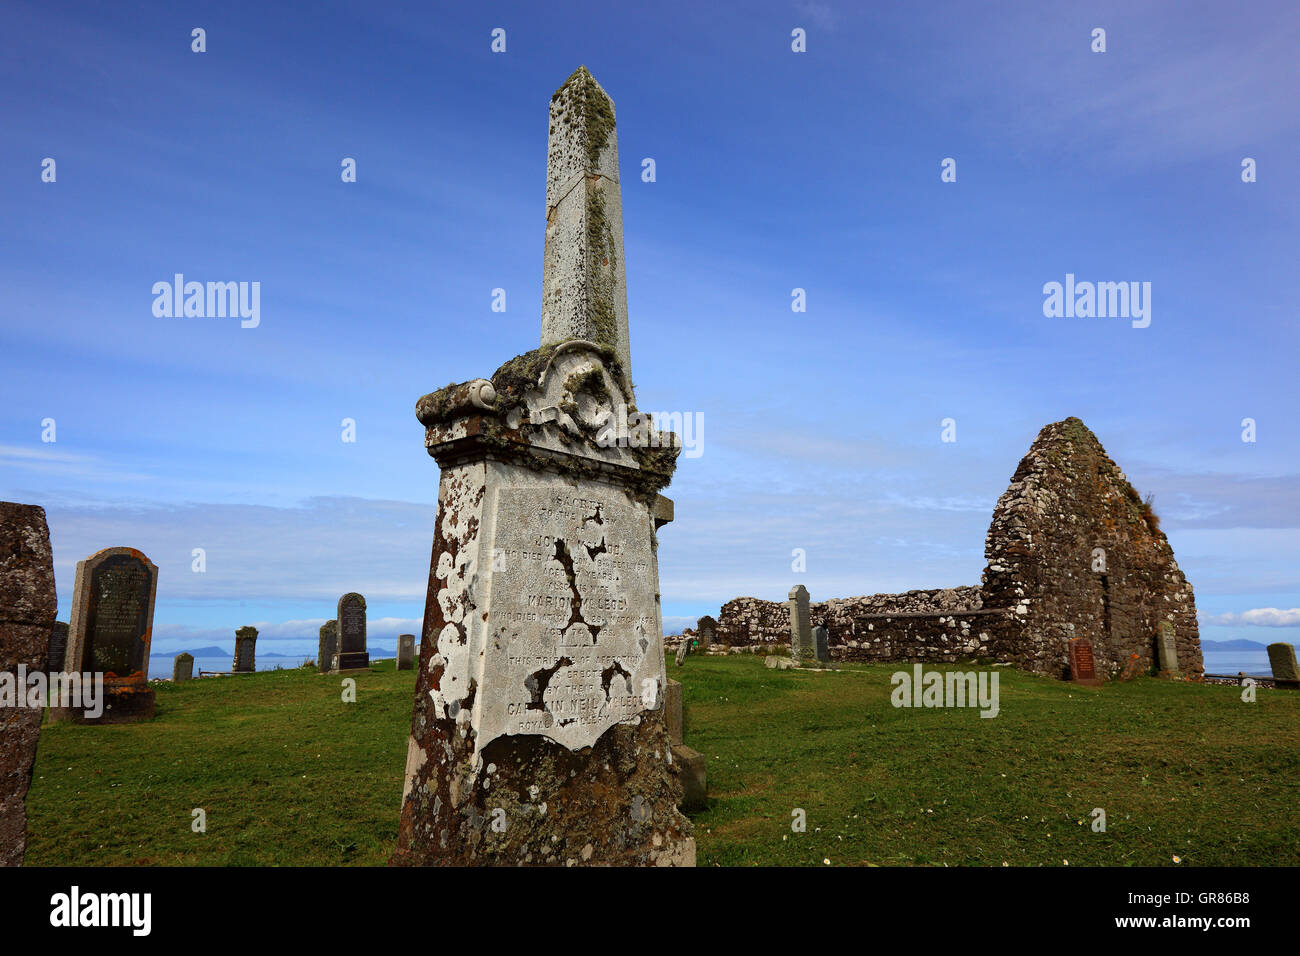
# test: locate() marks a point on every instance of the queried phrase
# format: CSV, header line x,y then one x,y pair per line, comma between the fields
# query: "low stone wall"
x,y
945,636
748,620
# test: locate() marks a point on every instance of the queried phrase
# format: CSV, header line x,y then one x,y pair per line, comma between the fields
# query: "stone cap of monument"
x,y
566,400
246,631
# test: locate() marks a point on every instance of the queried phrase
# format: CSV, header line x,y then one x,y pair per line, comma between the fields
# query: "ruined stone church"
x,y
1073,552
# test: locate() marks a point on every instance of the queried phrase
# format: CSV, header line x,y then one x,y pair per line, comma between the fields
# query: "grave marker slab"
x,y
405,652
542,657
821,644
352,655
1083,668
1167,649
802,649
58,648
1281,658
183,668
706,628
683,649
110,631
328,647
27,608
245,650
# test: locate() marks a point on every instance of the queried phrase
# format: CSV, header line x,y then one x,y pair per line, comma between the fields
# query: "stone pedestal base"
x,y
127,704
355,661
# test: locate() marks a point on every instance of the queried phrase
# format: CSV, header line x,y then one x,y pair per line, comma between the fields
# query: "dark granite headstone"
x,y
405,652
352,633
58,648
245,650
821,644
27,609
706,629
110,630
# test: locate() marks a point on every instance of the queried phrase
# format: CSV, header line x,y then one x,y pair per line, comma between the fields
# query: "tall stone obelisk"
x,y
538,732
584,283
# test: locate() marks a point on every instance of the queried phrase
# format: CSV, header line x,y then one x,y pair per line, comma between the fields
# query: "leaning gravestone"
x,y
328,648
821,644
109,633
352,655
1167,650
683,649
802,649
27,608
58,647
405,651
540,687
183,668
1281,658
245,650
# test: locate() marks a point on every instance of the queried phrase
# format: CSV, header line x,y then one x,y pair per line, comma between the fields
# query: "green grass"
x,y
290,775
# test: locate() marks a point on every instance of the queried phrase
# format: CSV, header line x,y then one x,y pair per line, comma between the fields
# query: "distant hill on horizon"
x,y
215,651
1238,644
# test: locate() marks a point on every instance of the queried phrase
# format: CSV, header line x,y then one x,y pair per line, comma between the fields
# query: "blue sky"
x,y
775,170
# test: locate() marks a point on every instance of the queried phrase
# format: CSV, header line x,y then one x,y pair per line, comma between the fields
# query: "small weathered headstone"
x,y
673,711
821,644
1281,658
245,650
27,608
706,628
58,648
183,667
328,647
405,652
691,768
1167,650
110,631
1083,669
352,655
683,649
801,639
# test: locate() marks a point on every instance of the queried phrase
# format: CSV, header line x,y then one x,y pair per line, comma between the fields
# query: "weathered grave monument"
x,y
352,655
538,734
109,633
245,650
405,651
1167,649
683,649
328,647
1281,658
802,650
821,644
1083,668
27,609
183,668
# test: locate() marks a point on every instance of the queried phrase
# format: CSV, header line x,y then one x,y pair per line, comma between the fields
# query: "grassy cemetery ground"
x,y
289,775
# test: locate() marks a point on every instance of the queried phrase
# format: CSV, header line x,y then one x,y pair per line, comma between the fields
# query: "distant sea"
x,y
162,666
1254,663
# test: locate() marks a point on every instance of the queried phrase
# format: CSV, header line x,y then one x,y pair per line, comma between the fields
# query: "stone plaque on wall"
x,y
1083,669
1167,649
576,599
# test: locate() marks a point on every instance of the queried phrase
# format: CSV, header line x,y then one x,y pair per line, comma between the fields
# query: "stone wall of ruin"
x,y
1072,551
1075,552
